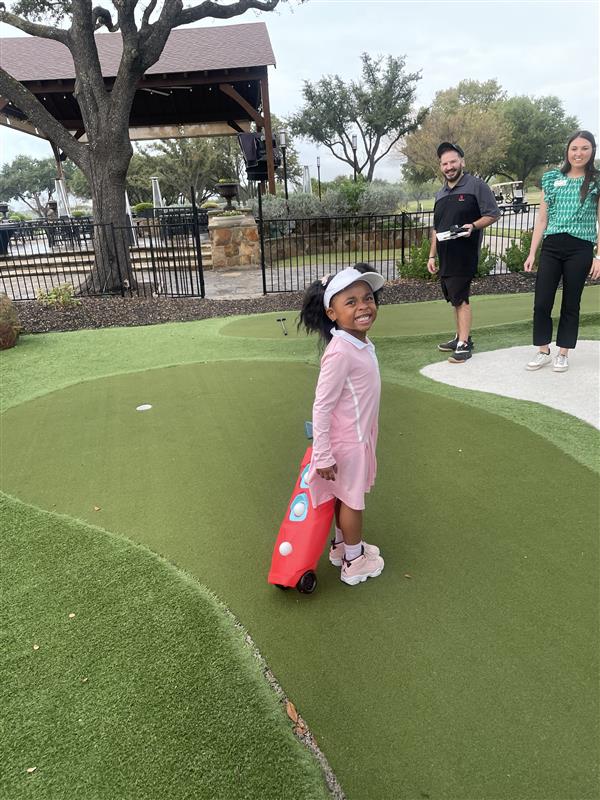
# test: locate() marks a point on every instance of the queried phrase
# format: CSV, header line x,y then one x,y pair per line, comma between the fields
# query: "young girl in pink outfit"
x,y
341,309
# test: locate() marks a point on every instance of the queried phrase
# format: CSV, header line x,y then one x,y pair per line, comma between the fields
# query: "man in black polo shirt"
x,y
464,202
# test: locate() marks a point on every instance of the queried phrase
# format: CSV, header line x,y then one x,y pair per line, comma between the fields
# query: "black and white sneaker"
x,y
450,347
461,354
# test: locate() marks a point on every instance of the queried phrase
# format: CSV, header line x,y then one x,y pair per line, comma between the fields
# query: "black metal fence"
x,y
157,256
295,252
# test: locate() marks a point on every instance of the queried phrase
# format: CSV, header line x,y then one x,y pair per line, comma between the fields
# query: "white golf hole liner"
x,y
144,407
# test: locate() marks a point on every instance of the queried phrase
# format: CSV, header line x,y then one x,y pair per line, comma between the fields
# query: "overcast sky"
x,y
534,47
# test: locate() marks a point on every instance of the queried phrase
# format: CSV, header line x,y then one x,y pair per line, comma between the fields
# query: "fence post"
x,y
403,232
196,227
262,239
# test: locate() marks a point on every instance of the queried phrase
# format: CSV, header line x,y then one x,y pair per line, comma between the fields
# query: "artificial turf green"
x,y
416,319
148,691
474,677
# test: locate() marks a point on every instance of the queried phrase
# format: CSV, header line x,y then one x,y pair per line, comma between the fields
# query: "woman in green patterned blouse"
x,y
567,222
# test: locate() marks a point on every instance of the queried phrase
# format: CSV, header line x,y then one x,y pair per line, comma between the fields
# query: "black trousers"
x,y
563,256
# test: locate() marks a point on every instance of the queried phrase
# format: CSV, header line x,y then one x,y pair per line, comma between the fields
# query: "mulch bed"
x,y
106,312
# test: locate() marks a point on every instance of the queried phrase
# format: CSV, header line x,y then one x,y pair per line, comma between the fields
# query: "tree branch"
x,y
210,8
39,116
147,13
101,18
34,28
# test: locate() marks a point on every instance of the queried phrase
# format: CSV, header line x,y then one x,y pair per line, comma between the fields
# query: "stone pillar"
x,y
234,241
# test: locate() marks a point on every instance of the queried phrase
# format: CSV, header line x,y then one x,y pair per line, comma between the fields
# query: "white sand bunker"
x,y
503,372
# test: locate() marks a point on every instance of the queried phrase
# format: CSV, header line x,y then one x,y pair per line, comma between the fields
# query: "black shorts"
x,y
456,288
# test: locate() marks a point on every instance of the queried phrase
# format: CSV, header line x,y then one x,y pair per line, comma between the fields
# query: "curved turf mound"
x,y
124,678
413,319
458,650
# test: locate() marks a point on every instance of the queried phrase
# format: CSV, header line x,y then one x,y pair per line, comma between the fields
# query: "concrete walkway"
x,y
230,284
503,372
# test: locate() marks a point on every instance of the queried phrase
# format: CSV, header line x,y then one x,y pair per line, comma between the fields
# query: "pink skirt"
x,y
356,470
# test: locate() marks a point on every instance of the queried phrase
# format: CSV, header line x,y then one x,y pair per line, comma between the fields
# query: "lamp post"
x,y
354,146
282,146
319,175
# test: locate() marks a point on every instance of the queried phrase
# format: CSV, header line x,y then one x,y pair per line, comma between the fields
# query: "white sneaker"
x,y
540,360
561,363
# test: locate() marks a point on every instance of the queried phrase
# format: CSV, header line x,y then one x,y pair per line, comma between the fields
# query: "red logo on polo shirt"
x,y
461,198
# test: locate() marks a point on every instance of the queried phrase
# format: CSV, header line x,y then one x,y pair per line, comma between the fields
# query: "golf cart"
x,y
510,197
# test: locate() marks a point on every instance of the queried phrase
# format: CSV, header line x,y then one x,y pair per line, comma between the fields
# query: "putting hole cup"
x,y
144,407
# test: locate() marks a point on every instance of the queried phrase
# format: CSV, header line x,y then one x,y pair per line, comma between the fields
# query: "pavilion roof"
x,y
247,45
184,94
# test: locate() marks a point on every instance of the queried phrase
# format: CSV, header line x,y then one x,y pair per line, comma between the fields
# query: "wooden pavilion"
x,y
209,81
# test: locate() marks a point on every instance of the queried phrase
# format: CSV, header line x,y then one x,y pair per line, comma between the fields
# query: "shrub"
x,y
379,199
210,204
298,206
516,253
18,216
62,296
141,207
305,205
336,203
487,262
273,207
416,264
232,213
9,323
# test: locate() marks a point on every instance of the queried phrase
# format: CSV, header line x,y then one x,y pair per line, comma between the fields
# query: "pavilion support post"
x,y
264,91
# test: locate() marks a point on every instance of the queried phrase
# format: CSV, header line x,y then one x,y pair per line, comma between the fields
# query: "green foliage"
x,y
30,180
344,196
18,216
62,296
298,206
469,113
81,212
487,262
516,253
210,204
379,105
227,180
539,132
141,207
416,263
231,213
9,323
500,135
304,205
380,198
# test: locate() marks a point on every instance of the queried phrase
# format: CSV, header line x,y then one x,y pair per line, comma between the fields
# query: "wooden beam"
x,y
264,91
228,89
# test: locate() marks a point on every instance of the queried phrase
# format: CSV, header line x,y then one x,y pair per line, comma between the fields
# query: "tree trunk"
x,y
111,273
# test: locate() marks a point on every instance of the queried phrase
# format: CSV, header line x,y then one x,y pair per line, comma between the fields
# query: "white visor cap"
x,y
346,277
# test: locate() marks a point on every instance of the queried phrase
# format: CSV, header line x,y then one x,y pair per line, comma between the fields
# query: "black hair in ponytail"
x,y
312,314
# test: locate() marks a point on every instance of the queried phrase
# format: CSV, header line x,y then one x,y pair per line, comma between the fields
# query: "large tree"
x,y
30,180
470,114
378,108
105,157
539,132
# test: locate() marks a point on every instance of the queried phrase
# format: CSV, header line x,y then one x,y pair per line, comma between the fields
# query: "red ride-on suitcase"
x,y
302,537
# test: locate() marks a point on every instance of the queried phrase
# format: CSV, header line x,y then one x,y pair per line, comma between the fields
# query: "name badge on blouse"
x,y
560,182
